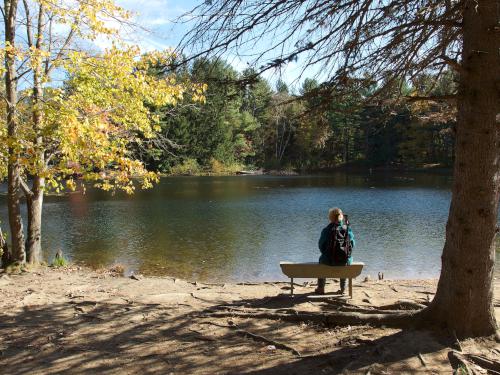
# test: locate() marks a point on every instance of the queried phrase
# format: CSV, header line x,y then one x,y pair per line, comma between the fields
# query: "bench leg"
x,y
291,286
350,288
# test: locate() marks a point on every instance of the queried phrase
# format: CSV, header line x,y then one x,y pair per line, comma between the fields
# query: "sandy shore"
x,y
77,321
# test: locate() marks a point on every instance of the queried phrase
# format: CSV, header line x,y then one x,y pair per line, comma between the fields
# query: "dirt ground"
x,y
77,321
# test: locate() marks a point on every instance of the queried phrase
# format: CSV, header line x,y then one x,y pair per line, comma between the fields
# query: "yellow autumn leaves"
x,y
109,101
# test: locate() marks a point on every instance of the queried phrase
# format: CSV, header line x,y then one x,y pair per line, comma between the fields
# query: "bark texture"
x,y
464,298
35,196
35,203
13,174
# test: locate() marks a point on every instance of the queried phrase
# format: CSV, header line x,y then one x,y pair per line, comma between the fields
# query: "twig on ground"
x,y
201,336
259,338
265,340
215,324
425,292
457,341
421,357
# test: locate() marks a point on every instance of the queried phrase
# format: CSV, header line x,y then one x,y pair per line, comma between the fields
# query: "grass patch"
x,y
59,261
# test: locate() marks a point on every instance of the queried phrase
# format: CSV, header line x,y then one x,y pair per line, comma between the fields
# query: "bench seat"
x,y
316,270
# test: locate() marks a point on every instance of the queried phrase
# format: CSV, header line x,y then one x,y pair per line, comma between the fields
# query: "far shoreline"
x,y
347,168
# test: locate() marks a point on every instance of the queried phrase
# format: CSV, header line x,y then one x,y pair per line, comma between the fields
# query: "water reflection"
x,y
239,228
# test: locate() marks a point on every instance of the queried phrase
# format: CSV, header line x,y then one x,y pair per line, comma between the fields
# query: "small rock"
x,y
136,277
367,278
270,348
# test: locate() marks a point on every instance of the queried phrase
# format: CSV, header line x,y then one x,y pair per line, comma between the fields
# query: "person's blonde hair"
x,y
334,213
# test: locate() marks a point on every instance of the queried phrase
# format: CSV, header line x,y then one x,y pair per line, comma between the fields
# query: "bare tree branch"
x,y
386,41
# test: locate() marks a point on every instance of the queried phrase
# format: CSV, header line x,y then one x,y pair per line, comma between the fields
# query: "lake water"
x,y
240,228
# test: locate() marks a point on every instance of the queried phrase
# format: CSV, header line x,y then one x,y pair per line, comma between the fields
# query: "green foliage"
x,y
249,123
59,262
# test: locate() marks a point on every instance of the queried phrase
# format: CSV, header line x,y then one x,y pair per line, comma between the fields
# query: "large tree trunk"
x,y
35,204
463,300
13,174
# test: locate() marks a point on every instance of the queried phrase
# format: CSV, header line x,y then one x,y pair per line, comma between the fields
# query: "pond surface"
x,y
240,228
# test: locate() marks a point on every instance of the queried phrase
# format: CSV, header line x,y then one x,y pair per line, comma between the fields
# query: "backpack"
x,y
339,243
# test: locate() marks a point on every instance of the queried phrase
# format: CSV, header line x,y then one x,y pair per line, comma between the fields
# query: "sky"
x,y
158,30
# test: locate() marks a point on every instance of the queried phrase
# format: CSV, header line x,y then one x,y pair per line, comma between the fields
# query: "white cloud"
x,y
154,28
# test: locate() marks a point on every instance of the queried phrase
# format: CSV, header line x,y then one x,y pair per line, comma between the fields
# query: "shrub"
x,y
187,167
117,269
216,166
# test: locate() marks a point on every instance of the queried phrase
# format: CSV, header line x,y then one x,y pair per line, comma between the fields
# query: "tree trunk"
x,y
35,197
13,174
35,204
463,300
346,143
6,255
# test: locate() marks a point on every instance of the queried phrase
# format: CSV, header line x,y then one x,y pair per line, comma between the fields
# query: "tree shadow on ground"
x,y
400,351
89,337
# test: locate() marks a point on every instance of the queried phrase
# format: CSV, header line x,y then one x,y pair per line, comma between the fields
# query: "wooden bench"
x,y
316,270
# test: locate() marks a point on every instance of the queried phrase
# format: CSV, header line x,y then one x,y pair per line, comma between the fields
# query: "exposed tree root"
x,y
469,361
486,363
459,363
400,319
365,310
403,305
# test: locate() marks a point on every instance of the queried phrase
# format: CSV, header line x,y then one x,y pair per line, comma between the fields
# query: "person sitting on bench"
x,y
336,243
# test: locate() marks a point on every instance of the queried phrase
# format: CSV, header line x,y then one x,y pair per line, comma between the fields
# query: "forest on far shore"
x,y
246,123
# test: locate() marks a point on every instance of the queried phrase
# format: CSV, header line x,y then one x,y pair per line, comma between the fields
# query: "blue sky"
x,y
157,16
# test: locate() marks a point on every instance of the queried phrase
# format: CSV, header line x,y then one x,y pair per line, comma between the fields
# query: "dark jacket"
x,y
325,257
